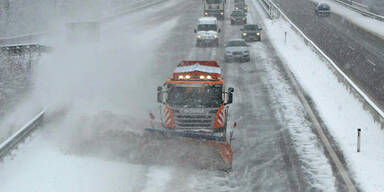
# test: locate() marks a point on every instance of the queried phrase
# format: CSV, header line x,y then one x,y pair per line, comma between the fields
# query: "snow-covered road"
x,y
274,147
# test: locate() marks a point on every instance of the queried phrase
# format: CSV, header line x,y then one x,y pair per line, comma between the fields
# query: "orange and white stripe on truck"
x,y
169,120
220,118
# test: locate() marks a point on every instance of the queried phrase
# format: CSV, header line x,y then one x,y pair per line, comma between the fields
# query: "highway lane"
x,y
358,53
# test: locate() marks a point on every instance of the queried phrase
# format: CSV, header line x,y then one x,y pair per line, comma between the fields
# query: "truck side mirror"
x,y
195,31
159,94
230,95
219,30
260,28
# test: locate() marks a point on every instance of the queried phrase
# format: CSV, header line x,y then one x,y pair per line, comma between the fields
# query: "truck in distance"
x,y
214,8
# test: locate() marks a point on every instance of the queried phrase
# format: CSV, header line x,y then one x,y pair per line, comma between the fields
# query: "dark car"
x,y
238,17
251,32
322,9
241,7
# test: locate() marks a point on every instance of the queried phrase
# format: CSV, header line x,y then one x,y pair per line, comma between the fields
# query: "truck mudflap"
x,y
200,150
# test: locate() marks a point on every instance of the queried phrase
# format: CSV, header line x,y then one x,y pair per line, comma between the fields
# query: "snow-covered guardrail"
x,y
12,49
369,104
20,135
362,9
22,39
272,13
266,7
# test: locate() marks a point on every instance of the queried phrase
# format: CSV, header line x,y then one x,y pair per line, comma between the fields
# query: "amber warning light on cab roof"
x,y
197,70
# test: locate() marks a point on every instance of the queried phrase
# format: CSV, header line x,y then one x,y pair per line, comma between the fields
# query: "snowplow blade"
x,y
186,134
198,150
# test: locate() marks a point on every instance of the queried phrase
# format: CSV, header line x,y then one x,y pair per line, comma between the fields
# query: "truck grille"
x,y
195,121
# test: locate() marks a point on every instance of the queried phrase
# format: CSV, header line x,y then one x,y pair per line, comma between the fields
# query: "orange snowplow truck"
x,y
194,104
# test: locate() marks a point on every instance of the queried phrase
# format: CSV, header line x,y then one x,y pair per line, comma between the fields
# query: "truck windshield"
x,y
195,97
213,1
206,27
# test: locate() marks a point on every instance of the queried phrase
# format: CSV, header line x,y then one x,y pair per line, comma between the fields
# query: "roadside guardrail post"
x,y
358,139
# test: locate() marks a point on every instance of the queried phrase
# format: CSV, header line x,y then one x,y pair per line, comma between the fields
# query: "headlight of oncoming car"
x,y
215,36
198,36
206,13
222,13
244,34
257,33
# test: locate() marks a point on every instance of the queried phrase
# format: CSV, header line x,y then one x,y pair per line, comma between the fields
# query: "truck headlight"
x,y
215,36
221,13
206,13
257,33
198,36
244,34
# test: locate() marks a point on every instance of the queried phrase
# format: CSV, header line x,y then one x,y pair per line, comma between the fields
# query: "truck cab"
x,y
194,98
214,8
207,32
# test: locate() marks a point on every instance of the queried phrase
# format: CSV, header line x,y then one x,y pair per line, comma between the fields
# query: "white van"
x,y
207,32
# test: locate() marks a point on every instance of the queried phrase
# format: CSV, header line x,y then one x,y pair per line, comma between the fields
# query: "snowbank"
x,y
340,110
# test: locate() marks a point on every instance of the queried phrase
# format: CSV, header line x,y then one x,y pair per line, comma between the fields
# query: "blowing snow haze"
x,y
25,17
138,98
109,75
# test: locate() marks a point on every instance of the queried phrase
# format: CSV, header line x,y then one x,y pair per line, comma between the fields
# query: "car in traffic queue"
x,y
241,6
236,50
323,9
207,32
251,32
238,17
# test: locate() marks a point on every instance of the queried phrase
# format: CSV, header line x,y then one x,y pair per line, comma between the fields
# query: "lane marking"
x,y
371,62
